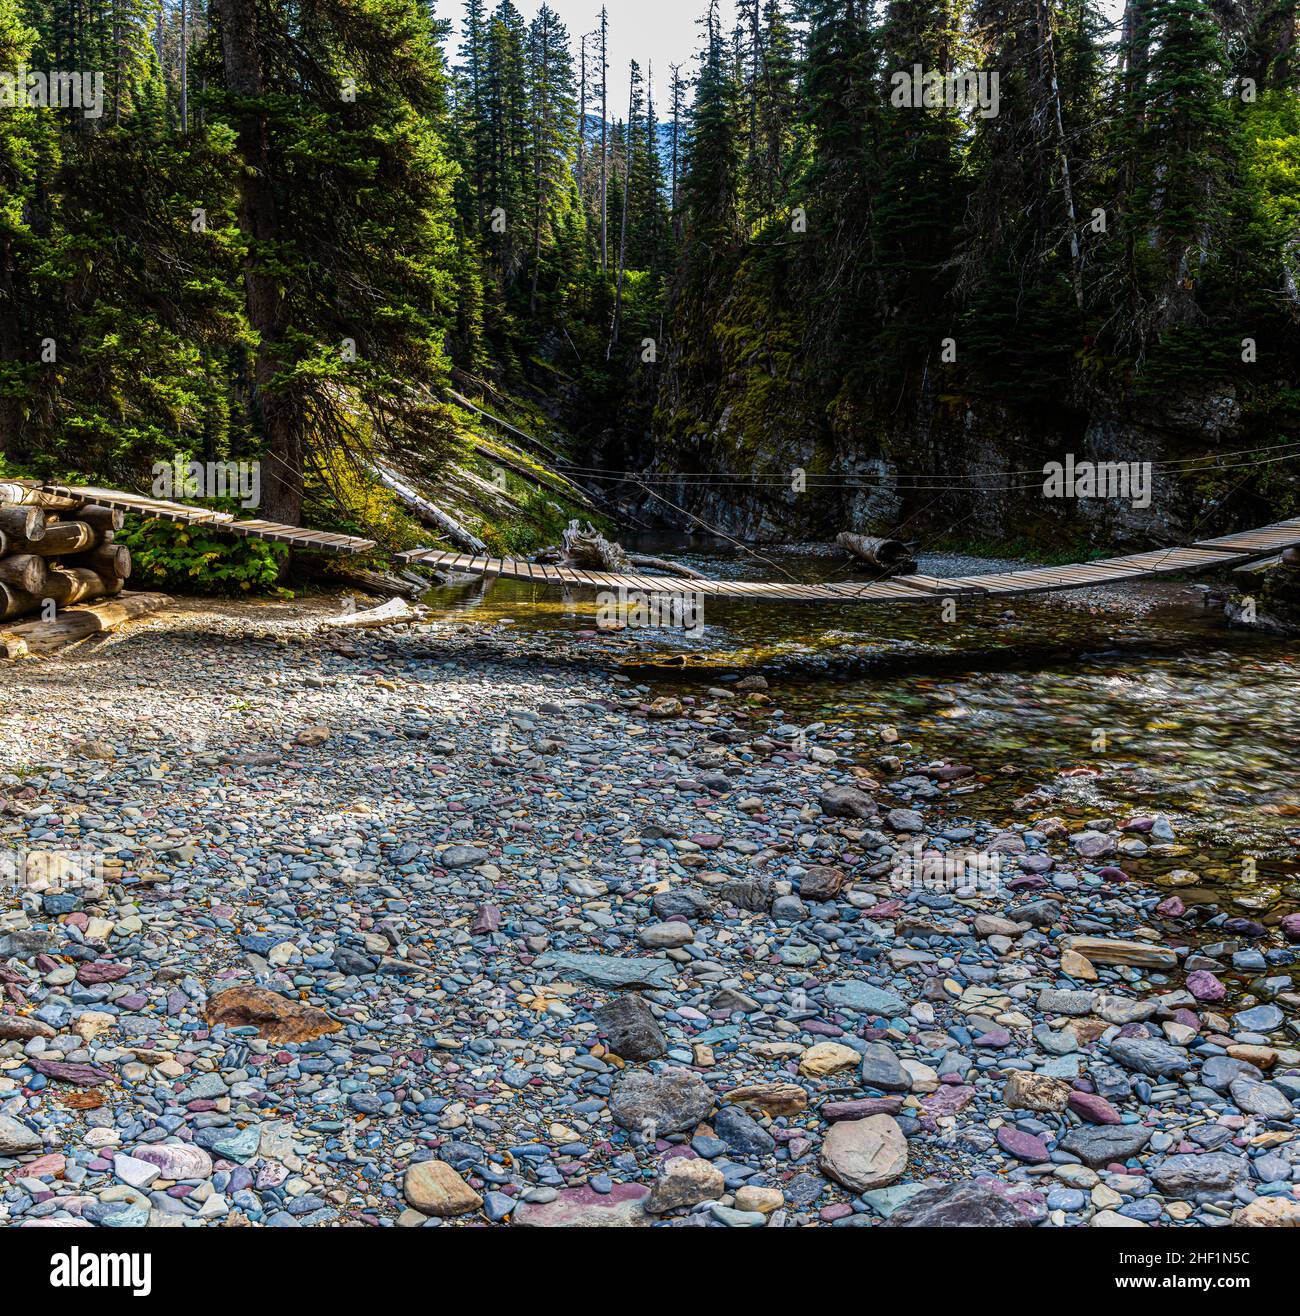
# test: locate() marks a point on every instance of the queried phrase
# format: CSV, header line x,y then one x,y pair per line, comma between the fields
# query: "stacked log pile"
x,y
56,551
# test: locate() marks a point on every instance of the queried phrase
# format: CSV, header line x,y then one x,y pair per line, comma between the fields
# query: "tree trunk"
x,y
1048,49
604,140
622,237
282,480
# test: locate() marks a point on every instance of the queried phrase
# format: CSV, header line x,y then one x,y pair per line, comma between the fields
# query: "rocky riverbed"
x,y
414,930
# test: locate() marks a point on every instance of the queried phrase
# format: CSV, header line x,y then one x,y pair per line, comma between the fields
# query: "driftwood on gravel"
x,y
590,549
890,555
395,612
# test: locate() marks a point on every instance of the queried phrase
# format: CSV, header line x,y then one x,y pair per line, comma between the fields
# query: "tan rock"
x,y
1025,1091
1269,1213
1263,1057
864,1154
828,1058
773,1098
1104,950
434,1188
90,1023
276,1018
685,1182
990,925
1077,966
763,1200
1113,1220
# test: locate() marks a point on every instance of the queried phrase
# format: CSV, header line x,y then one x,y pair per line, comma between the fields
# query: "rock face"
x,y
276,1018
963,1205
1207,1177
684,1182
671,1101
17,1139
864,1154
629,1025
434,1188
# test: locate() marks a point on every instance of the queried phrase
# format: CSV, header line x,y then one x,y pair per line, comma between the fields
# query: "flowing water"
x,y
1133,701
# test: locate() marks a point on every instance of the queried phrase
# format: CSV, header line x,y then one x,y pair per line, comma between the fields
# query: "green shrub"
x,y
171,555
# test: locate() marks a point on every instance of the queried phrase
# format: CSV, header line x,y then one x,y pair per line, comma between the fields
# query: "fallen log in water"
x,y
883,554
590,549
76,624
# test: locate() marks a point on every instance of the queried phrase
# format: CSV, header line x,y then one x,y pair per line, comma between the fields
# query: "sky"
x,y
657,32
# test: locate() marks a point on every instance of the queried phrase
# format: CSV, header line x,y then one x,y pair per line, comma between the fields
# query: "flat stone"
x,y
966,1204
1203,1177
1023,1146
881,1068
623,1207
1103,950
1261,1099
276,1018
1026,1091
1093,1107
863,998
772,1098
666,936
1106,1143
1149,1055
827,1058
16,1139
434,1188
864,1154
609,970
176,1160
847,802
671,1101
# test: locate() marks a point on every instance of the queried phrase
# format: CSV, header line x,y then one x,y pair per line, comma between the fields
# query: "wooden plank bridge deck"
x,y
1226,551
220,522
